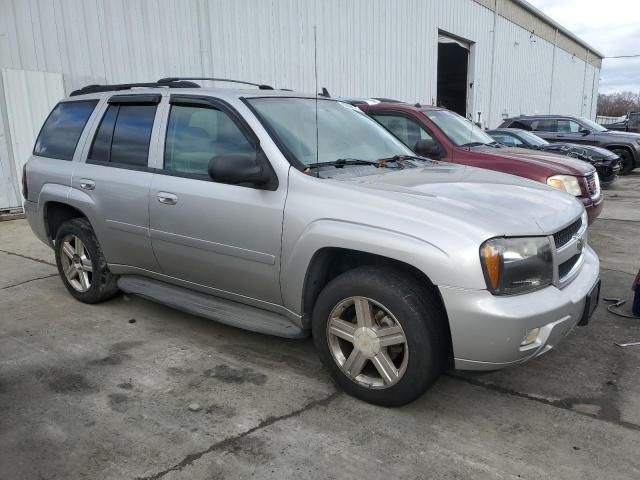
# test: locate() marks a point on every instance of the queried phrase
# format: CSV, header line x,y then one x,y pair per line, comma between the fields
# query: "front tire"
x,y
627,163
81,264
382,335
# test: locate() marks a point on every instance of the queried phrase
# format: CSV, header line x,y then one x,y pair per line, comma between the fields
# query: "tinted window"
x,y
124,135
132,134
195,135
61,131
408,131
544,125
102,140
568,126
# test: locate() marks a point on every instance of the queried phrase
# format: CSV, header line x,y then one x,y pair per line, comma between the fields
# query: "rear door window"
x,y
62,129
544,125
568,126
123,136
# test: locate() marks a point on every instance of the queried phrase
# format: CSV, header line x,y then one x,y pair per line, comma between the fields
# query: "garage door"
x,y
25,101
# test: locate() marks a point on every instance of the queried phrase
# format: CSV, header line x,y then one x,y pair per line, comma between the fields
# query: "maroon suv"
x,y
444,135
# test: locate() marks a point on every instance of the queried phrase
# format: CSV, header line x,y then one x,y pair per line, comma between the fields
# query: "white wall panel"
x,y
28,99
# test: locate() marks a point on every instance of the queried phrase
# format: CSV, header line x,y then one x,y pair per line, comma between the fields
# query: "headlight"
x,y
566,183
516,265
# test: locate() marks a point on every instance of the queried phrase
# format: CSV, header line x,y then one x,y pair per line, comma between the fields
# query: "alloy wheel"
x,y
367,342
76,263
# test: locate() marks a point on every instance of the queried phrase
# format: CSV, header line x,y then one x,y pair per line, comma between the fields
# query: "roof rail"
x,y
128,86
229,80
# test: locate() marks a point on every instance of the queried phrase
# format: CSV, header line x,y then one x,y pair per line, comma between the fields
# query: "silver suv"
x,y
294,215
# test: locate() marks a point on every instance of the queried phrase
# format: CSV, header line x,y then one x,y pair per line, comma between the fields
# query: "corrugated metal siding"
x,y
522,84
365,47
29,97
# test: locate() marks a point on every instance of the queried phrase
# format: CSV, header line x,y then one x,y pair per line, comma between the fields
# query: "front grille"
x,y
566,267
592,185
565,235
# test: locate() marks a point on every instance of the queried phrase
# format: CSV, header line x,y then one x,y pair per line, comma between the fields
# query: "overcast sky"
x,y
611,27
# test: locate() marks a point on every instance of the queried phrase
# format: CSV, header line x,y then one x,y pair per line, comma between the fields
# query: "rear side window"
x,y
62,129
124,135
544,125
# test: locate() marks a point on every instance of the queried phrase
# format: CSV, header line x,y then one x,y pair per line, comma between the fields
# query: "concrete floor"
x,y
86,393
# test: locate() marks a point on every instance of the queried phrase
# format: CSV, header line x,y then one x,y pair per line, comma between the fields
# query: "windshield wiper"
x,y
397,158
473,144
341,162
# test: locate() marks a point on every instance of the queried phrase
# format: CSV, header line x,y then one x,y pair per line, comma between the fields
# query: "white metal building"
x,y
484,58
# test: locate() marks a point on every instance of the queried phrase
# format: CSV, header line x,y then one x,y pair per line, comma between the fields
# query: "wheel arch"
x,y
329,262
617,146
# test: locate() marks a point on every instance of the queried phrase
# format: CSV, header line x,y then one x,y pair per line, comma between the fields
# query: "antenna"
x,y
315,67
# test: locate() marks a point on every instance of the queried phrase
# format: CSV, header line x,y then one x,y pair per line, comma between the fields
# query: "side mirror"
x,y
584,131
242,168
428,148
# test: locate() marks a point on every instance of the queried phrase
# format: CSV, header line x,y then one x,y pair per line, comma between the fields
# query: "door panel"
x,y
116,177
227,237
222,236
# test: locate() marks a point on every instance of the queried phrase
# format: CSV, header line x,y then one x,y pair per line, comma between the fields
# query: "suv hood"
x,y
556,164
494,202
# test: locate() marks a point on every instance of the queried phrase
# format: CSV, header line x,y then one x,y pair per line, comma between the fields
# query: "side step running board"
x,y
215,308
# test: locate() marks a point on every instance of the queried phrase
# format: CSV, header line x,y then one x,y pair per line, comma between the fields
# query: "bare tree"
x,y
618,103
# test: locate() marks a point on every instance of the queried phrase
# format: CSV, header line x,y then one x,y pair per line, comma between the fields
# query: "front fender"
x,y
430,259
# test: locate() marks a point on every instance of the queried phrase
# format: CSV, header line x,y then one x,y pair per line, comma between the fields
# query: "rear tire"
x,y
627,163
382,335
81,264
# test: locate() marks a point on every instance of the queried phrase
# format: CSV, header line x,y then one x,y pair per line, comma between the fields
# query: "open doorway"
x,y
453,74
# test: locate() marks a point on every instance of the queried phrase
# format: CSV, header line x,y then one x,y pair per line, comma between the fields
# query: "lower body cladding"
x,y
490,332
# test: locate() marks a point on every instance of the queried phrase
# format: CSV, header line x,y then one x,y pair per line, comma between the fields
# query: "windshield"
x,y
344,132
458,129
532,138
592,125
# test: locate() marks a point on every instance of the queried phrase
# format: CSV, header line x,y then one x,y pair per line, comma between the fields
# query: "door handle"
x,y
87,184
167,198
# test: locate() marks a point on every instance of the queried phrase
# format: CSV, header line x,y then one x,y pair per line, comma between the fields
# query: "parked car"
x,y
444,135
629,124
606,162
558,128
219,203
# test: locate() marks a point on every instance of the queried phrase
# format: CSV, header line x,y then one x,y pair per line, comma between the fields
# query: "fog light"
x,y
530,337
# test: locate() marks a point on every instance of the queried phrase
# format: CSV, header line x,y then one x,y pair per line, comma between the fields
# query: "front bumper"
x,y
593,206
486,330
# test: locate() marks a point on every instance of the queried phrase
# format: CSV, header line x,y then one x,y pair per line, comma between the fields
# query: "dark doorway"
x,y
453,64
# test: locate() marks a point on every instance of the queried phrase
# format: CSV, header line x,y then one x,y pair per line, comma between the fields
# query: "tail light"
x,y
25,188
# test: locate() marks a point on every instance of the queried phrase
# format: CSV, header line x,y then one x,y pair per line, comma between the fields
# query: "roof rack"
x,y
128,86
170,82
212,79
